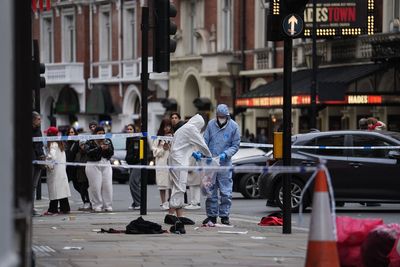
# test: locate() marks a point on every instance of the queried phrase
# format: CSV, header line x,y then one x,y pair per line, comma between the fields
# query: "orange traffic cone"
x,y
321,249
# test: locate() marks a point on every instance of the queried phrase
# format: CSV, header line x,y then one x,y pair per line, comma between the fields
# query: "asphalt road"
x,y
254,208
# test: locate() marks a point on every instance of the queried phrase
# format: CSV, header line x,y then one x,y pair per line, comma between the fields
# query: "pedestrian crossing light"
x,y
163,45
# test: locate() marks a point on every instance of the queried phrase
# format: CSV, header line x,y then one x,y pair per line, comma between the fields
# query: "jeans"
x,y
220,206
134,186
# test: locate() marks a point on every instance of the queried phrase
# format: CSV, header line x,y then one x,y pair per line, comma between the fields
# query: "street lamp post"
x,y
234,66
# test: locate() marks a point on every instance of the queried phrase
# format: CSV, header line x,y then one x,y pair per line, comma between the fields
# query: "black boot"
x,y
178,228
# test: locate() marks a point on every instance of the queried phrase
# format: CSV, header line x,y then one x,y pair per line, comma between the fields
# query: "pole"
x,y
287,134
144,78
313,94
234,98
36,60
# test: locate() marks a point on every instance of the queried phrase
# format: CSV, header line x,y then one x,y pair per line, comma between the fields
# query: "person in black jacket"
x,y
132,158
99,175
72,149
37,154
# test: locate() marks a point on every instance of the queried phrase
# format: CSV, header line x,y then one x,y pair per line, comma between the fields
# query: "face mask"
x,y
222,121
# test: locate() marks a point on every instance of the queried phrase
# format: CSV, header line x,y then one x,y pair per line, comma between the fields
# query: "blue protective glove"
x,y
222,156
196,155
209,160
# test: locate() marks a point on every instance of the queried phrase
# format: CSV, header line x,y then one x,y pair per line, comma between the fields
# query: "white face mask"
x,y
222,120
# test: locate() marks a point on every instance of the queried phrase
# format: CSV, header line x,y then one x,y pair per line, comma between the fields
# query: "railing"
x,y
109,70
62,73
262,58
342,51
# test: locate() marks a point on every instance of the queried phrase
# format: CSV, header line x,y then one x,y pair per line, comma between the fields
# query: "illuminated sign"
x,y
340,18
301,100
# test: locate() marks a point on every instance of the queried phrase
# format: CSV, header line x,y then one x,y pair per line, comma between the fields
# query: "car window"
x,y
329,140
366,140
118,143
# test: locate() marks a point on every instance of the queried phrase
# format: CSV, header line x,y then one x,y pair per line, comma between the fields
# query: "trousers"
x,y
220,205
134,186
100,185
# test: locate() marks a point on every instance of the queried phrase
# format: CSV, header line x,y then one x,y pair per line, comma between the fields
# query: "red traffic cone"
x,y
321,250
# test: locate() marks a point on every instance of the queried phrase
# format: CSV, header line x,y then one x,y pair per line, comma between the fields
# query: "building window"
x,y
225,39
46,39
192,22
130,32
396,8
68,38
105,37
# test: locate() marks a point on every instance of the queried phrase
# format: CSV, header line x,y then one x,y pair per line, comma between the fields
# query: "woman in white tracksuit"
x,y
99,176
187,139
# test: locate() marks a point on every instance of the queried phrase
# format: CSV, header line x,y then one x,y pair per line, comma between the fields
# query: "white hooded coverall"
x,y
186,140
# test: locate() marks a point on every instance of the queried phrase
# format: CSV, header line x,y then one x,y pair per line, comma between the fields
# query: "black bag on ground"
x,y
141,226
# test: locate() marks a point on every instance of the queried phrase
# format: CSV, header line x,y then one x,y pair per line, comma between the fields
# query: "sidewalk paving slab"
x,y
200,246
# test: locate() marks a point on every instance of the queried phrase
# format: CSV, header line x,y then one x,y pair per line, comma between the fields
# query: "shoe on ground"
x,y
133,207
170,219
210,219
36,213
186,221
178,228
108,209
48,213
192,207
225,220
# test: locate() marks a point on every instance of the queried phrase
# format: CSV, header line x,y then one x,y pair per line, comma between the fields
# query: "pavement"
x,y
73,240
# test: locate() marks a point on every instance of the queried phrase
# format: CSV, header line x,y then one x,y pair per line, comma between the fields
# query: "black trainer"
x,y
178,228
210,219
170,219
225,220
186,221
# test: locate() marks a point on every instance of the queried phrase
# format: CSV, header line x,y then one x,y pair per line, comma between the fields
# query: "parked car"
x,y
247,183
358,175
121,174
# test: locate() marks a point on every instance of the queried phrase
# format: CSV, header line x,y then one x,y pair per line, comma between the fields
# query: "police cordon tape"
x,y
237,169
169,138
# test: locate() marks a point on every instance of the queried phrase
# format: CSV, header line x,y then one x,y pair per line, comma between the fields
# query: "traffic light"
x,y
279,9
37,69
163,45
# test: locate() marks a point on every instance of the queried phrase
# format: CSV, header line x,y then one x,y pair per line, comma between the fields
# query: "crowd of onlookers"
x,y
94,181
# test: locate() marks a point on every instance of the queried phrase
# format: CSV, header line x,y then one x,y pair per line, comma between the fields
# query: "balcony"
x,y
109,71
344,50
64,73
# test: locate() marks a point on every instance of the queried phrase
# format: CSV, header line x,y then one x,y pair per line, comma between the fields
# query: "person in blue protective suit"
x,y
186,140
222,136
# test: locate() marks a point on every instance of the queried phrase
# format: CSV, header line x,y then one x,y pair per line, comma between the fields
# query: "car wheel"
x,y
295,189
248,185
339,203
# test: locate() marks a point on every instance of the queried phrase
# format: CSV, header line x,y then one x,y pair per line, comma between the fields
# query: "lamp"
x,y
234,66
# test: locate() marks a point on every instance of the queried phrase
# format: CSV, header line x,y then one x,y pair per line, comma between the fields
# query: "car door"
x,y
335,158
377,176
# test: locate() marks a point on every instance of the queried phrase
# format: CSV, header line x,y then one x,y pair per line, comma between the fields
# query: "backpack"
x,y
141,226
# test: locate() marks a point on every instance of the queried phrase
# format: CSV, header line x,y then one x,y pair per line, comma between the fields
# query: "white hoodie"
x,y
186,140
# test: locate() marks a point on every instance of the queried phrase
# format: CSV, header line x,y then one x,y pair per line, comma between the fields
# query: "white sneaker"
x,y
192,207
164,206
87,206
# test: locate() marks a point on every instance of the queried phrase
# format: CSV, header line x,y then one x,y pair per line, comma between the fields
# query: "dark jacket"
x,y
178,125
132,150
37,147
81,157
95,153
71,149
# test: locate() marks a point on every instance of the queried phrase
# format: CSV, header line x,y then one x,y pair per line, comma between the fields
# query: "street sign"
x,y
292,25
